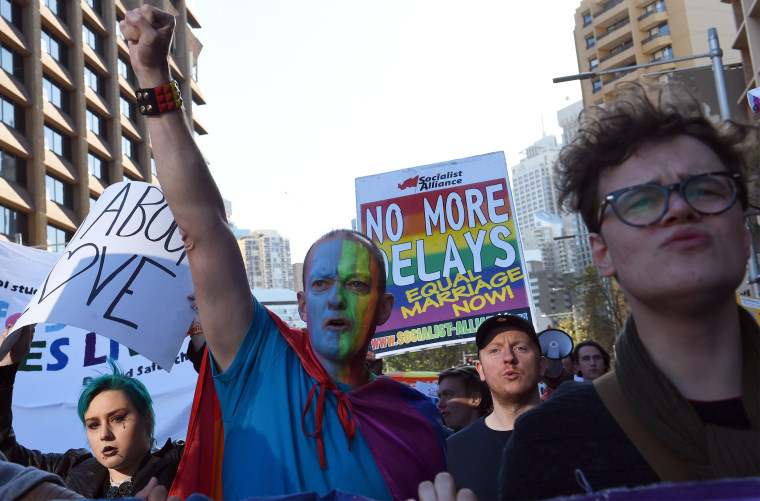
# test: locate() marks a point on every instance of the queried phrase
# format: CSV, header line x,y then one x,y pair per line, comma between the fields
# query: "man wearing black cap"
x,y
510,362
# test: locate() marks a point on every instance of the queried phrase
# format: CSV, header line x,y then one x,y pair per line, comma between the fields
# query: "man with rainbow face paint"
x,y
301,411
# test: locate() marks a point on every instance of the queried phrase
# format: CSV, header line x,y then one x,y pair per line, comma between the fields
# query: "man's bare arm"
x,y
215,260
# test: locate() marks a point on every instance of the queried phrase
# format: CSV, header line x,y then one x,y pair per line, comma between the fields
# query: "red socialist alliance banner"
x,y
452,252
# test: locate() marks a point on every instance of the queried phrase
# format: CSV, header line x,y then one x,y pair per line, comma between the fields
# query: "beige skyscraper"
x,y
267,260
618,33
69,126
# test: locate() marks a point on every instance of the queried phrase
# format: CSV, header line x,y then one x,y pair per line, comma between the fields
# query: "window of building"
x,y
96,6
94,40
97,167
57,7
95,123
11,62
597,85
590,42
57,238
153,166
58,191
593,64
663,54
11,11
92,79
93,201
53,47
57,143
658,6
12,222
586,19
125,70
128,147
55,94
659,30
11,114
127,108
12,168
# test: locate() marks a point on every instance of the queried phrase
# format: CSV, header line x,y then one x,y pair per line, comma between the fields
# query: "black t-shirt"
x,y
474,458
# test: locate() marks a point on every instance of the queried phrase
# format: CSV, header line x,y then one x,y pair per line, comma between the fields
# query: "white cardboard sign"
x,y
50,377
124,275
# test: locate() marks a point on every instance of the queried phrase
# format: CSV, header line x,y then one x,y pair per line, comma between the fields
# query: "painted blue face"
x,y
341,299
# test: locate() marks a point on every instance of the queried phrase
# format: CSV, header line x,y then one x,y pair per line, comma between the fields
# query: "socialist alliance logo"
x,y
425,183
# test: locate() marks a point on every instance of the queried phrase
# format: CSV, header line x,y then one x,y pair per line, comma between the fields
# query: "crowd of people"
x,y
663,192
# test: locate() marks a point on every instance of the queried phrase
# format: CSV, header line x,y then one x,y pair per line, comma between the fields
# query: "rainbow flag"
x,y
200,470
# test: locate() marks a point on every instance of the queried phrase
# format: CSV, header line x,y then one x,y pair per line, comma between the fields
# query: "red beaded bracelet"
x,y
161,99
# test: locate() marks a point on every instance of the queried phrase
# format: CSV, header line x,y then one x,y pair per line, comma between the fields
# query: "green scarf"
x,y
710,451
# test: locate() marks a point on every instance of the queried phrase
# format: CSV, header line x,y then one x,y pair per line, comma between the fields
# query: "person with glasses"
x,y
663,192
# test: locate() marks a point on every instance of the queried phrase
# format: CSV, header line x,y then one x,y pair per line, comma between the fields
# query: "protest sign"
x,y
49,380
124,275
453,256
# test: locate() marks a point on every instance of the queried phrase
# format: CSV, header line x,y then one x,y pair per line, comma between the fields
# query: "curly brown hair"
x,y
610,135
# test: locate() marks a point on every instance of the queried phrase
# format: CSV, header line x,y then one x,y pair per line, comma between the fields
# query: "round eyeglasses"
x,y
646,204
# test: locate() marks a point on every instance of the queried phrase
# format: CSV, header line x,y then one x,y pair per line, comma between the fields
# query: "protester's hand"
x,y
155,492
19,350
148,32
443,489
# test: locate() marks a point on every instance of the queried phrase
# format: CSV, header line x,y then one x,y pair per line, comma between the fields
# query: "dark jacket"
x,y
79,469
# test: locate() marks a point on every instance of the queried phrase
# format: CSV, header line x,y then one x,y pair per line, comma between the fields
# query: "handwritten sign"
x,y
453,256
124,275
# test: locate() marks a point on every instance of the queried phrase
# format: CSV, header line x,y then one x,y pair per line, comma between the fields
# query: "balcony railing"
x,y
617,75
614,28
607,7
617,51
659,8
656,35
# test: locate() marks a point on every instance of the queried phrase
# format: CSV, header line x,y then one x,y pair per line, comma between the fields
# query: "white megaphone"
x,y
555,345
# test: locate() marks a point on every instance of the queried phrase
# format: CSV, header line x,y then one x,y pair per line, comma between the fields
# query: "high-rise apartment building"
x,y
747,41
576,231
533,186
69,124
613,34
267,260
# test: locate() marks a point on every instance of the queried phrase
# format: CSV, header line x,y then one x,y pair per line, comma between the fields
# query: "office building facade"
x,y
69,125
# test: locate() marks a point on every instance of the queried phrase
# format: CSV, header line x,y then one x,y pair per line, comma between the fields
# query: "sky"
x,y
304,96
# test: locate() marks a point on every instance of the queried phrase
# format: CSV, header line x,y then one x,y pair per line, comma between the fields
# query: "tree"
x,y
601,309
434,359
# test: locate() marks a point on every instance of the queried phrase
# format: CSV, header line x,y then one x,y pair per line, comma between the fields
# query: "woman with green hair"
x,y
117,412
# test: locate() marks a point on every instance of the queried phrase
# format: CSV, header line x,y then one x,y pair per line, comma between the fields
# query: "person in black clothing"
x,y
510,362
662,191
590,360
117,412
